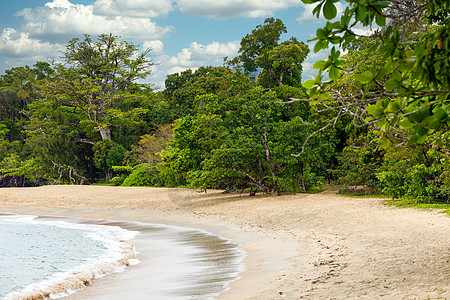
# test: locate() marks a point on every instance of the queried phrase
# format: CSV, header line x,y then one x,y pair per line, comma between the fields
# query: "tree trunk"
x,y
105,133
303,179
274,192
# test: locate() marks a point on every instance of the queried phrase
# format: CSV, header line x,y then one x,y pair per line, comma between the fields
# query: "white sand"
x,y
320,246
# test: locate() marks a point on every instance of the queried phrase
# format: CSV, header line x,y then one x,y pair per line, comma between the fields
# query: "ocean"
x,y
54,257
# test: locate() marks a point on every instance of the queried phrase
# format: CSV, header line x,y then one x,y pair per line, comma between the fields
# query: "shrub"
x,y
141,176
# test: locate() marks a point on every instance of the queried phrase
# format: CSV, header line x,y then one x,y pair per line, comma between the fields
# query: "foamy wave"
x,y
118,255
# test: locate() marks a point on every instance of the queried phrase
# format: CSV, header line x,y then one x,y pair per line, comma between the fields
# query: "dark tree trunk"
x,y
12,181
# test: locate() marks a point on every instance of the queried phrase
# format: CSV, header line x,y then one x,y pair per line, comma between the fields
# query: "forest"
x,y
375,119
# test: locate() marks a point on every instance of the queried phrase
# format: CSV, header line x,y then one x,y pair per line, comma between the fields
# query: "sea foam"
x,y
45,259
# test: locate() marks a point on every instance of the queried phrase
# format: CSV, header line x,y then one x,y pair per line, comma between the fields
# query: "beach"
x,y
304,246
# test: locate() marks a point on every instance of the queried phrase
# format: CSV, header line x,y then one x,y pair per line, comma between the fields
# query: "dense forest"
x,y
375,117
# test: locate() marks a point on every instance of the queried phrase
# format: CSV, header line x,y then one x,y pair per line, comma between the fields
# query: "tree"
x,y
262,38
278,63
18,88
404,95
282,64
181,89
147,149
97,78
92,97
241,138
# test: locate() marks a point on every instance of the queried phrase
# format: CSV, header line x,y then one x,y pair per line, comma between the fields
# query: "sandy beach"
x,y
320,246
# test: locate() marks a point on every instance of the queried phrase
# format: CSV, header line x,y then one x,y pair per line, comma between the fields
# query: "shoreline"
x,y
105,251
298,246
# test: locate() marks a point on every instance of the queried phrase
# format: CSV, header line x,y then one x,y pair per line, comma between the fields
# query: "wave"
x,y
118,254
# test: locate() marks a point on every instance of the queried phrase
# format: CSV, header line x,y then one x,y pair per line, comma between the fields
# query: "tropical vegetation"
x,y
375,118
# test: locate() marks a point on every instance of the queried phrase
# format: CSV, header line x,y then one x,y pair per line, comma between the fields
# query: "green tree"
x,y
282,64
405,94
242,138
92,98
278,63
108,154
263,38
96,79
181,89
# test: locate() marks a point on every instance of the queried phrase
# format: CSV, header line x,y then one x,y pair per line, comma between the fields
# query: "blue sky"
x,y
183,33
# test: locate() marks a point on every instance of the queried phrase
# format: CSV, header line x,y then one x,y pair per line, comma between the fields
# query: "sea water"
x,y
51,257
55,258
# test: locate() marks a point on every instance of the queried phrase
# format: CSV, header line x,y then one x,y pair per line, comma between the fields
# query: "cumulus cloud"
x,y
60,20
134,8
156,46
307,17
20,49
19,44
234,8
194,56
308,71
365,30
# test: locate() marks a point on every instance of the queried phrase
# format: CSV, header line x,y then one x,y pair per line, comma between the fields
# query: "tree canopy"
x,y
250,124
405,90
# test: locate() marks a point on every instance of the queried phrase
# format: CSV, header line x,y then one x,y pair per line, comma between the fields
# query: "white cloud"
x,y
234,8
215,49
156,46
20,50
133,8
307,17
200,55
16,44
60,20
365,30
308,71
191,58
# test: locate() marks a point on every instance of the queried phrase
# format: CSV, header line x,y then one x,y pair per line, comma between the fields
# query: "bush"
x,y
425,182
141,176
118,180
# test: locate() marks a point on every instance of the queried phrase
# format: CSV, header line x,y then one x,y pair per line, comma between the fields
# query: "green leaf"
x,y
308,83
424,112
334,25
415,117
375,110
381,73
316,10
431,122
325,96
383,124
421,139
391,84
380,20
394,106
334,73
405,123
329,10
397,76
321,33
383,102
319,64
381,4
412,139
365,77
361,12
421,131
321,44
440,114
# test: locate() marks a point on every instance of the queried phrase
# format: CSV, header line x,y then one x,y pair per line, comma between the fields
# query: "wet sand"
x,y
320,246
174,263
